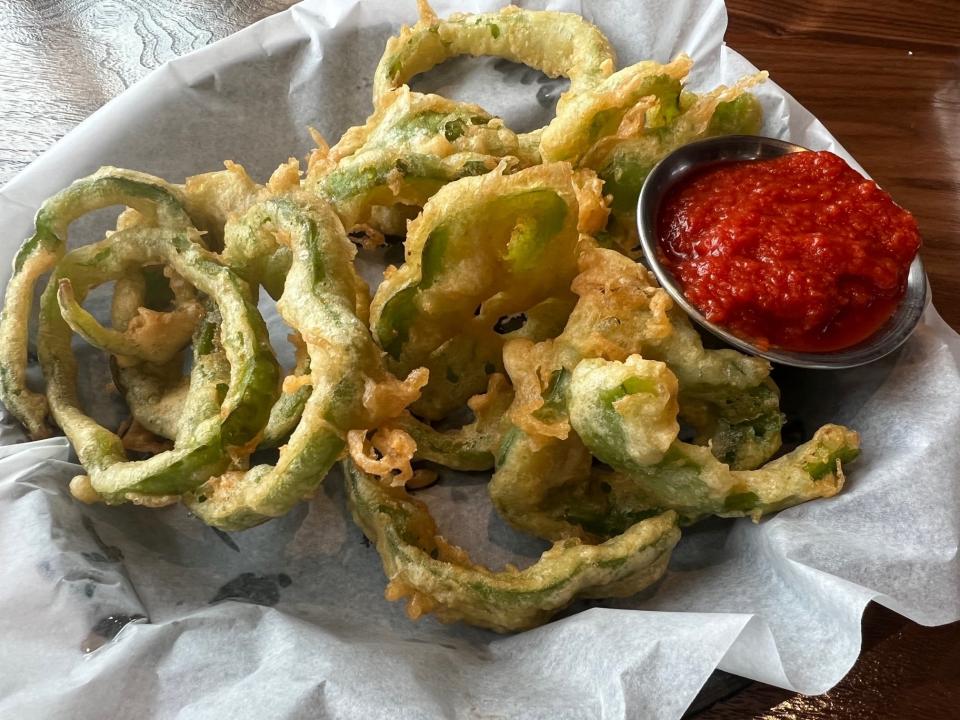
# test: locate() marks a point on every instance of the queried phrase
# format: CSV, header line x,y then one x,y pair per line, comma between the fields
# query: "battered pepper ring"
x,y
38,255
613,407
154,388
408,148
588,393
440,578
244,404
558,44
519,234
413,143
350,387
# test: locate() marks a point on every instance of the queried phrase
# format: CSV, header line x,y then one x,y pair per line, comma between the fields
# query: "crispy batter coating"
x,y
350,388
518,334
483,250
611,387
437,577
558,44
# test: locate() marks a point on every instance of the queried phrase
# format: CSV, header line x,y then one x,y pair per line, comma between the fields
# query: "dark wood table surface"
x,y
883,75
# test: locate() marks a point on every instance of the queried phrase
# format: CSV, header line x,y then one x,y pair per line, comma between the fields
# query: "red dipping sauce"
x,y
800,252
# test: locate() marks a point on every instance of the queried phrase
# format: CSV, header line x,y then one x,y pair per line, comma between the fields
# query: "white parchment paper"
x,y
131,613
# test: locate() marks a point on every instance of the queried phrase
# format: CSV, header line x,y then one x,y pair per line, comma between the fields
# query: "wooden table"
x,y
883,75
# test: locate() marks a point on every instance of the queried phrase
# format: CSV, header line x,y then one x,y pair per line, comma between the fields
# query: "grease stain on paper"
x,y
252,588
106,629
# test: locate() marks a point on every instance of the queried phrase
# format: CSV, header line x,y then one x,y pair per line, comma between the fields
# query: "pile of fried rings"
x,y
520,335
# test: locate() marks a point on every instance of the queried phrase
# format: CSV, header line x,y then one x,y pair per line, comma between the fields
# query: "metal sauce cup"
x,y
678,165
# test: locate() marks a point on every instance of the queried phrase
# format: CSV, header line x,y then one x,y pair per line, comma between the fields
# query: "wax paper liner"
x,y
127,612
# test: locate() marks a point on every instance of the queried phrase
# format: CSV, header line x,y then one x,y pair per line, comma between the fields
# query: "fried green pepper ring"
x,y
551,490
558,44
147,354
251,250
626,98
439,578
244,407
208,382
286,411
531,469
428,124
726,396
213,198
623,125
350,388
624,162
625,413
384,170
543,483
408,148
197,420
155,390
153,198
483,249
222,201
388,178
